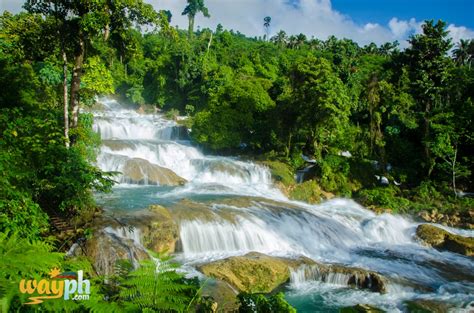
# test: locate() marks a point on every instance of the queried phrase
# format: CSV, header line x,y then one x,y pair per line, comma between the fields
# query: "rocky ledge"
x,y
441,239
260,273
128,238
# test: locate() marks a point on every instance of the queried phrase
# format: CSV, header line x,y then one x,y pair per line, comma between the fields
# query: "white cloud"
x,y
402,29
312,17
461,32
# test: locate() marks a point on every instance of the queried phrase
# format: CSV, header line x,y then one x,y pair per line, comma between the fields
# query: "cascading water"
x,y
231,208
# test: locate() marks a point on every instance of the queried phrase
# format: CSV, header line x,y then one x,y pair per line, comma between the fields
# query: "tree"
x,y
322,103
78,22
266,24
280,38
193,8
428,66
464,52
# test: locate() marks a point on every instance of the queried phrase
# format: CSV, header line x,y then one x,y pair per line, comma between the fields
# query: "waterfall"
x,y
231,207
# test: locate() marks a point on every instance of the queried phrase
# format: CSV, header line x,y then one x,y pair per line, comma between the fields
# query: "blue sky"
x,y
363,21
459,12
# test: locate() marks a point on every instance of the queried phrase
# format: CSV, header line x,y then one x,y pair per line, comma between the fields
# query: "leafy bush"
x,y
334,174
172,114
385,197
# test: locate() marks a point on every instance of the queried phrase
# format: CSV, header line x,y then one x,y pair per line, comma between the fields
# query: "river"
x,y
230,207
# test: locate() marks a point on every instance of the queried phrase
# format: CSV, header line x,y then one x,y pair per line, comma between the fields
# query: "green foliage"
x,y
172,114
97,78
156,285
22,258
335,174
253,303
385,197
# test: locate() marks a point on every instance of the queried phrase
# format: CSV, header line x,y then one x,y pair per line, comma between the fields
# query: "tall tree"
x,y
83,20
428,66
193,8
463,54
266,23
280,38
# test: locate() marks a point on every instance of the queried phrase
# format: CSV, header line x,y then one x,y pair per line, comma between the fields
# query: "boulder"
x,y
443,240
361,308
344,276
427,306
128,238
159,231
106,249
140,171
224,295
260,273
252,273
153,228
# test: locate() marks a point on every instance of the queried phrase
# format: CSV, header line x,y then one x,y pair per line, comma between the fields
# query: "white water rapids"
x,y
236,209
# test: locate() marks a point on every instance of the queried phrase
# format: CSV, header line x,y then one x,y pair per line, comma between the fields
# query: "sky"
x,y
363,21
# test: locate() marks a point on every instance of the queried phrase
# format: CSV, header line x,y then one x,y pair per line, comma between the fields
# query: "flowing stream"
x,y
227,207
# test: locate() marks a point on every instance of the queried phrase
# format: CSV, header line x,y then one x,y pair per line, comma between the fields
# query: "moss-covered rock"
x,y
281,172
141,171
260,273
106,249
128,237
309,191
443,240
252,273
427,306
161,233
361,308
343,275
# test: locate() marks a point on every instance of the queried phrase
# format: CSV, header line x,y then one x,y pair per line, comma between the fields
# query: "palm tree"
x,y
292,41
280,38
300,40
462,55
266,24
194,7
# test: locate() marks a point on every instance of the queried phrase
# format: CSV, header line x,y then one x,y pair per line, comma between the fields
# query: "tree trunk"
x,y
106,32
426,137
288,148
65,99
76,82
454,170
191,25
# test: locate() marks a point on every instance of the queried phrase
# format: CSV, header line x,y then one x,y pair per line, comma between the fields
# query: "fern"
x,y
156,285
22,258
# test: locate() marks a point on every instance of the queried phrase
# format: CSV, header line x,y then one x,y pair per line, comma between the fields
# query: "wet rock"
x,y
443,240
128,237
117,145
224,295
345,276
160,233
260,273
427,306
153,228
252,273
106,249
361,308
141,171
